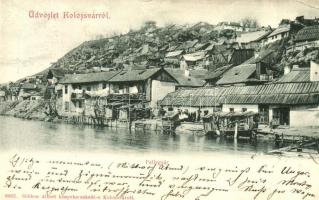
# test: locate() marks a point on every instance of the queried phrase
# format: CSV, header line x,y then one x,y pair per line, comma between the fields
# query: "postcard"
x,y
166,100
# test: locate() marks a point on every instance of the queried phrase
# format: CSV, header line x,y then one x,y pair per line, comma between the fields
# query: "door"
x,y
263,114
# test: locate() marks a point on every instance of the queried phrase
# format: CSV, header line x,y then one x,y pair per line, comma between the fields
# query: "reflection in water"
x,y
35,135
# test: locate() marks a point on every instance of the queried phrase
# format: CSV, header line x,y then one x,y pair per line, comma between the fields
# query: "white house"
x,y
283,31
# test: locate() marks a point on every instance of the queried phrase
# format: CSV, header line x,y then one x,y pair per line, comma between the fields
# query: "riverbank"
x,y
27,109
36,109
287,139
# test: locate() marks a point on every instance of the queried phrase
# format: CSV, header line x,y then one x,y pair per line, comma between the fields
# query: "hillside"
x,y
144,47
149,45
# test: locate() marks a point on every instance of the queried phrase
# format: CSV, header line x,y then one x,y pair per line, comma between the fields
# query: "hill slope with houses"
x,y
224,54
207,46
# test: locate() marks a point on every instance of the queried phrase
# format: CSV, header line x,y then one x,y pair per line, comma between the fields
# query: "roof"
x,y
29,86
253,36
57,72
230,23
217,72
182,80
134,75
199,73
200,46
194,56
237,74
275,93
307,33
210,47
296,76
89,77
281,29
188,44
260,57
31,93
174,53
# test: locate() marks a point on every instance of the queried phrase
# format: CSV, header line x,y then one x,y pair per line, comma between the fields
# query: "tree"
x,y
249,22
284,21
150,23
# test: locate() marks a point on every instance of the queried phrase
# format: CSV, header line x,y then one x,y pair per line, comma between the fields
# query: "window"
x,y
263,114
65,89
104,85
33,98
116,89
80,104
88,88
127,89
231,110
281,116
66,106
244,109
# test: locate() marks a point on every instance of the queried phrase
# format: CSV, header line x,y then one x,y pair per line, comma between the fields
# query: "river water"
x,y
22,134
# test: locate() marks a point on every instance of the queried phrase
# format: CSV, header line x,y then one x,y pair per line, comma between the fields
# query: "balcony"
x,y
127,97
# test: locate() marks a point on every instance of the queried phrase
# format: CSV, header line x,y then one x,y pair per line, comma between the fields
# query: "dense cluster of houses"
x,y
30,88
230,74
292,100
116,91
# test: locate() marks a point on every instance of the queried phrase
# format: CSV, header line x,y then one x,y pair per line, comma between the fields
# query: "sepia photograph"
x,y
168,100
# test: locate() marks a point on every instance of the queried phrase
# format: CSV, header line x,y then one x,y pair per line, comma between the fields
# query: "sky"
x,y
29,45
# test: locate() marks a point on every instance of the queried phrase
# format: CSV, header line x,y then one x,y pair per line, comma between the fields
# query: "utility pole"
x,y
129,110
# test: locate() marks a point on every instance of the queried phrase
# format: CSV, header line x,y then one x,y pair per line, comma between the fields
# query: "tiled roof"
x,y
134,75
281,29
89,77
296,76
307,33
252,36
182,80
217,72
237,74
260,57
275,93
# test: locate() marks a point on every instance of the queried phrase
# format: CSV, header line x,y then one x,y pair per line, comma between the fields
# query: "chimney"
x,y
186,73
314,71
287,69
183,64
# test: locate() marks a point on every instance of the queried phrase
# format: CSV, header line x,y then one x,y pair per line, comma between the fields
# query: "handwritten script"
x,y
29,177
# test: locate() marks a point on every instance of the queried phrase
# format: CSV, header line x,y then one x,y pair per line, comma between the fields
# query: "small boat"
x,y
195,128
231,124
